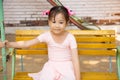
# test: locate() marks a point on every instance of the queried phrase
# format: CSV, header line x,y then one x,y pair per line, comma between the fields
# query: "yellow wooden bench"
x,y
90,42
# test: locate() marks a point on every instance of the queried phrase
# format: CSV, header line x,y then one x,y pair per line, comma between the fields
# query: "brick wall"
x,y
29,12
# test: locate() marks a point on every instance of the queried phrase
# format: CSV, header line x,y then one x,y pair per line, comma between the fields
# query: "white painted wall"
x,y
17,10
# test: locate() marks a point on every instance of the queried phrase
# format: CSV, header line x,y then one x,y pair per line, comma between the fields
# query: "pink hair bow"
x,y
46,12
69,11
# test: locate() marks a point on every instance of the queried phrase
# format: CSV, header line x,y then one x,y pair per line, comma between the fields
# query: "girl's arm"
x,y
22,44
75,60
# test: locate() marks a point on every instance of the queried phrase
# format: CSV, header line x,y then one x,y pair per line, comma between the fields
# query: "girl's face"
x,y
57,24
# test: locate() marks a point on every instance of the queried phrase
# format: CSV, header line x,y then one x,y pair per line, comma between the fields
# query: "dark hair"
x,y
58,9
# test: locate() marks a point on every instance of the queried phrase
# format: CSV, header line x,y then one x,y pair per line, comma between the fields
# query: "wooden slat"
x,y
29,32
78,39
95,45
83,45
97,52
22,79
24,38
94,39
81,52
31,52
75,32
84,76
98,76
22,76
92,32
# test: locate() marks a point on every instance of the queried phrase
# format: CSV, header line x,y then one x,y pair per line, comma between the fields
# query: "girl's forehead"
x,y
59,16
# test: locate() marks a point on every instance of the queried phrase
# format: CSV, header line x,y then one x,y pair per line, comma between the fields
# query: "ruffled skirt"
x,y
52,70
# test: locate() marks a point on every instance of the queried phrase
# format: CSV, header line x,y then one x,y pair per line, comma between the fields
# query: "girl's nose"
x,y
56,25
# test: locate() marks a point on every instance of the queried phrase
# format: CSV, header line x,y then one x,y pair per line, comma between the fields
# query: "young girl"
x,y
63,63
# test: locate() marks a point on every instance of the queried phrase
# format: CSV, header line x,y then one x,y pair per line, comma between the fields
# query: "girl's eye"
x,y
53,21
61,22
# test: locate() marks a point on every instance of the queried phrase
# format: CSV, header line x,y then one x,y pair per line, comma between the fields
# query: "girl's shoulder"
x,y
43,37
43,34
70,34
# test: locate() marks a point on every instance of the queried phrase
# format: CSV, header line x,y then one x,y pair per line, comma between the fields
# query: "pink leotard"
x,y
59,65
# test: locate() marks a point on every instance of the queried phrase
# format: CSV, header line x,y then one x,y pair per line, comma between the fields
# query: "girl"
x,y
63,63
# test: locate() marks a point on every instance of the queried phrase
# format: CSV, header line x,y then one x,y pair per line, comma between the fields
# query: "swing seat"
x,y
90,43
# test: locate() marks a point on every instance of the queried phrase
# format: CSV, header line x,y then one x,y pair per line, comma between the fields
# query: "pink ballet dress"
x,y
59,66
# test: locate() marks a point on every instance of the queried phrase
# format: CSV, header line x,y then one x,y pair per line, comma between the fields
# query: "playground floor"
x,y
35,63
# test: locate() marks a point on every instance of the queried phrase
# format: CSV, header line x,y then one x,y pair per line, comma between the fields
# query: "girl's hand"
x,y
2,44
6,43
